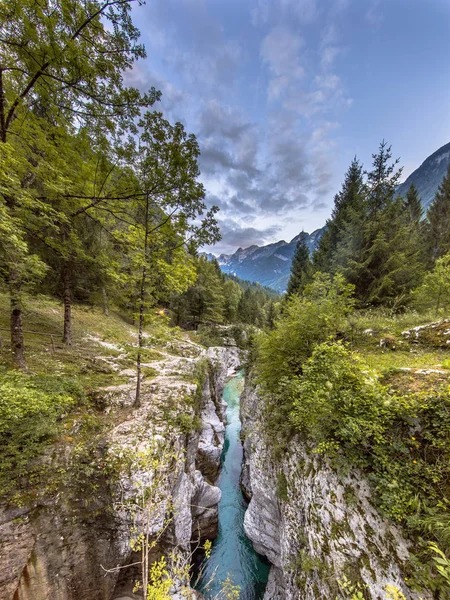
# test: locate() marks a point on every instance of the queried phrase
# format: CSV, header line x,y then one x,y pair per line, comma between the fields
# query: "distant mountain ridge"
x,y
428,177
269,265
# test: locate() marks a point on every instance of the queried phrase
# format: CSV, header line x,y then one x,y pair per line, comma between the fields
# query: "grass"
x,y
90,330
388,360
384,348
383,321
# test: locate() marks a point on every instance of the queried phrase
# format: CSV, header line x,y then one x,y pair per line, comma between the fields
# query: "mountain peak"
x,y
269,265
428,177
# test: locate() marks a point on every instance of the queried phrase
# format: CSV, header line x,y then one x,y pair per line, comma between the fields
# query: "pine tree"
x,y
413,205
382,180
438,220
341,240
390,263
300,269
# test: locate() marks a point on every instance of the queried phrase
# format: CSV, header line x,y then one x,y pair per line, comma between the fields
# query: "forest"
x,y
101,201
102,212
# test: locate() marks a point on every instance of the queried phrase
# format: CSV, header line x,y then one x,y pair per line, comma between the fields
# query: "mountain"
x,y
269,265
428,176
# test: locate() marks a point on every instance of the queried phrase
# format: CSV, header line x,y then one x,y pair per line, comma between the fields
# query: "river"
x,y
232,554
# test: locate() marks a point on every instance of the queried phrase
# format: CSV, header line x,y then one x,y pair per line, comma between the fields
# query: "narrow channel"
x,y
232,554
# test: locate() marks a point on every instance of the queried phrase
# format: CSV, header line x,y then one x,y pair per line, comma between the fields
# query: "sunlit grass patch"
x,y
386,360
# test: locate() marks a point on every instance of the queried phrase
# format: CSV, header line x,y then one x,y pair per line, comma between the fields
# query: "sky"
x,y
282,94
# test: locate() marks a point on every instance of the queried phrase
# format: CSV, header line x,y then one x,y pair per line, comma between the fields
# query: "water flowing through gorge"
x,y
232,554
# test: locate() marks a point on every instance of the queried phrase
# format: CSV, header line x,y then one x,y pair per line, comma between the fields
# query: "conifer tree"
x,y
438,221
300,269
368,271
341,240
389,265
413,205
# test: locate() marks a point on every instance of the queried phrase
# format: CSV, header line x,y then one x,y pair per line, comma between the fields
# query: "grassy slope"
x,y
102,354
94,335
385,349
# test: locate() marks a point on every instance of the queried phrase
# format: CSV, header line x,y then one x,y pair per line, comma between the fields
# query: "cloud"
x,y
234,236
265,116
373,14
220,119
189,40
229,141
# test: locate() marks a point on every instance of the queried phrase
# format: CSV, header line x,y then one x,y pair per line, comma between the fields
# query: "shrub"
x,y
401,441
338,398
30,410
306,321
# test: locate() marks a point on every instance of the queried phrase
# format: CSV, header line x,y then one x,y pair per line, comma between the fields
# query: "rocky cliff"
x,y
148,469
315,526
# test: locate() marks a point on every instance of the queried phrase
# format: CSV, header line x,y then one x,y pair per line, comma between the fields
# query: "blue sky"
x,y
283,93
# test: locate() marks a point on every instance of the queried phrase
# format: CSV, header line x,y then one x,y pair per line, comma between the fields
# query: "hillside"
x,y
269,265
428,177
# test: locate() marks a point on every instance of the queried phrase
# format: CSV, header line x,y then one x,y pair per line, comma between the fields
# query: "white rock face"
x,y
314,525
224,362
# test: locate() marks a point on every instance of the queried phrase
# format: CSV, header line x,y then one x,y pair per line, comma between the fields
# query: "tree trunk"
x,y
137,401
17,344
67,335
105,302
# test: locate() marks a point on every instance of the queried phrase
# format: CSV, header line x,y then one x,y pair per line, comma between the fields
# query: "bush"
x,y
435,289
338,399
307,320
30,410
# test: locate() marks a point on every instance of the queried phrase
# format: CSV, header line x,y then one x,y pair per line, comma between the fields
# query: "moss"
x,y
149,372
350,496
282,487
336,530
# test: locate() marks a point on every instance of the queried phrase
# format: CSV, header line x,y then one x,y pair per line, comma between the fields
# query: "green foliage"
x,y
232,295
31,408
438,221
435,289
413,205
350,590
306,321
341,240
375,239
442,562
216,298
300,269
400,440
338,399
282,487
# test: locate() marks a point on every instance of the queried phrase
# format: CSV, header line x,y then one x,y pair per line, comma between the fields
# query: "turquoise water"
x,y
232,553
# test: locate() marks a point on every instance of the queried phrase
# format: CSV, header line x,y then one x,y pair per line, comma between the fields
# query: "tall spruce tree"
x,y
300,269
341,239
389,265
413,205
438,221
